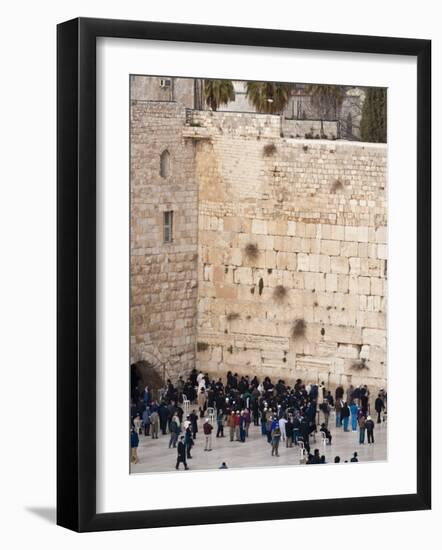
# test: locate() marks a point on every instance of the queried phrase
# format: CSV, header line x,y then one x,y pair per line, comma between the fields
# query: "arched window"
x,y
165,164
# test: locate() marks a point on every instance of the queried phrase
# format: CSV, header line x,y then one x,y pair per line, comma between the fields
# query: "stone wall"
x,y
279,260
291,233
163,275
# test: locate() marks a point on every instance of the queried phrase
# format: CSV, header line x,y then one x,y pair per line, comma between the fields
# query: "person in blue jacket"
x,y
134,441
354,416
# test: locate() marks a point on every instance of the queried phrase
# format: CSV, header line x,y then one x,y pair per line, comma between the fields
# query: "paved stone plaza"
x,y
155,456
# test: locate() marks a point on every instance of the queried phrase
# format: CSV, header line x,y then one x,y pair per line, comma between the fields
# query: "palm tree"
x,y
268,97
326,98
218,92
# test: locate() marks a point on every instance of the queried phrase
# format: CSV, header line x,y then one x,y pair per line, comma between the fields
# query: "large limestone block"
x,y
343,335
382,252
259,227
331,248
374,337
331,282
376,286
364,285
243,275
303,262
339,265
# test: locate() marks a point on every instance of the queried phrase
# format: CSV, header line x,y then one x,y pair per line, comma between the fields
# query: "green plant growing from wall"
x,y
360,364
298,329
279,293
269,149
202,346
336,186
232,316
251,251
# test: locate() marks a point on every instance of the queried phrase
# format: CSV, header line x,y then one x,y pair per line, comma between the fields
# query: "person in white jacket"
x,y
282,423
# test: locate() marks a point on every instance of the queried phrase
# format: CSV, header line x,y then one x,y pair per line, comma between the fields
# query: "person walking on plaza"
x,y
338,408
282,423
326,433
193,417
155,424
325,408
208,435
174,429
248,421
237,426
361,422
220,424
242,427
231,425
354,416
146,421
369,424
188,441
289,432
202,401
379,407
134,442
181,454
276,437
345,416
137,424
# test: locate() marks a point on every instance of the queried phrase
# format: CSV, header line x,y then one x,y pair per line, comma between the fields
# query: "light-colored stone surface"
x,y
316,213
155,456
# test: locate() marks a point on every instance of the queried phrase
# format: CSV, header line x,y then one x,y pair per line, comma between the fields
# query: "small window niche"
x,y
165,164
168,226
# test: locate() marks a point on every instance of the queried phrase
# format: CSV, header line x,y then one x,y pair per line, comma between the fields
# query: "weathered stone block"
x,y
331,248
259,227
339,265
374,337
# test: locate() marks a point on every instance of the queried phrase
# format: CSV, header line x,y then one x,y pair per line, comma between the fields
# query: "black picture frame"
x,y
76,274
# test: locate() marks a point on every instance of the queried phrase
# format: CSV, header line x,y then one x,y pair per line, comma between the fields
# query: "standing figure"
x,y
379,406
202,401
220,423
361,423
208,435
181,454
134,441
369,424
155,424
193,417
345,416
276,436
354,416
146,421
242,427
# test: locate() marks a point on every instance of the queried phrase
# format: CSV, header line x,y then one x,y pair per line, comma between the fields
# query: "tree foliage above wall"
x,y
218,92
374,116
268,97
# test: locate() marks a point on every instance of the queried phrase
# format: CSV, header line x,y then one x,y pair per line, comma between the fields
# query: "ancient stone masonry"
x,y
163,274
279,260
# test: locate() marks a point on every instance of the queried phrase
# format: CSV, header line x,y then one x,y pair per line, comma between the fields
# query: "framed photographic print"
x,y
243,274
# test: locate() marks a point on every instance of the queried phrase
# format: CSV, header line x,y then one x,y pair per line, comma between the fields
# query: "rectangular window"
x,y
168,226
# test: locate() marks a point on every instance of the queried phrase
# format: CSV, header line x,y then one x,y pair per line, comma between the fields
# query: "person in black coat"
x,y
181,456
369,424
193,417
379,406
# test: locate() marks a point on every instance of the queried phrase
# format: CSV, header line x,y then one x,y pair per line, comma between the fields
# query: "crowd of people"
x,y
283,413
